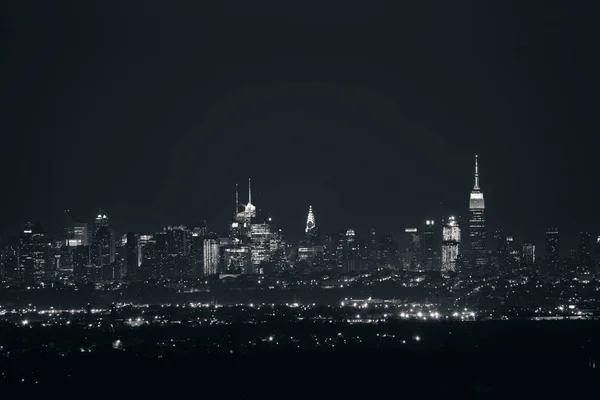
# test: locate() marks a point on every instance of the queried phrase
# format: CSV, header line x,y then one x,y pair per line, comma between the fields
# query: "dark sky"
x,y
371,111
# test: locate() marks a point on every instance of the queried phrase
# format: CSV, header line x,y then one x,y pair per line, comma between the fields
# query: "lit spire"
x,y
237,201
476,187
310,221
250,209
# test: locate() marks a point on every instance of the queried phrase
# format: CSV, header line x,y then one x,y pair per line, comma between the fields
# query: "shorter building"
x,y
211,256
451,238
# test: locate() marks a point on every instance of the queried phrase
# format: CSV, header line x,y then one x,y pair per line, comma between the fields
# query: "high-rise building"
x,y
103,256
260,241
238,252
528,254
211,256
351,253
312,230
585,251
33,252
477,249
372,250
307,248
388,252
133,255
551,244
310,220
100,221
412,249
450,244
77,234
428,246
514,253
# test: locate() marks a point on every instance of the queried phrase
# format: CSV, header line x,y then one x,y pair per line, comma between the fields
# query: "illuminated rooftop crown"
x,y
310,220
249,209
476,198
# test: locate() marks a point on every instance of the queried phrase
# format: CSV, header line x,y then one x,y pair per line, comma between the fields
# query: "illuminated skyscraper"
x,y
310,220
237,253
211,256
477,223
312,230
260,240
450,244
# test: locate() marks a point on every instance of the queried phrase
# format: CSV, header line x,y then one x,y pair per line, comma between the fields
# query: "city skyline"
x,y
194,190
294,235
370,122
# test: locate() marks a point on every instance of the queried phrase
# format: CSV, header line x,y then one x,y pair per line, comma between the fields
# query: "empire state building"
x,y
477,222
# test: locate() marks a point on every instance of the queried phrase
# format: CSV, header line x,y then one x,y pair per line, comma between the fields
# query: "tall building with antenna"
x,y
477,223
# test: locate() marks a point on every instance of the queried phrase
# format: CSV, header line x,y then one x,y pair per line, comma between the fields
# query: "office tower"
x,y
100,221
351,253
40,253
340,246
305,252
77,232
501,258
372,250
528,254
103,256
33,252
133,255
176,258
211,256
329,251
412,249
237,254
10,258
428,246
477,224
551,244
65,269
24,267
514,253
388,252
199,233
260,241
450,244
585,252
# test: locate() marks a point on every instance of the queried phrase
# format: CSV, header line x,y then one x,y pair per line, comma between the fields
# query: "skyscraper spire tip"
x,y
476,186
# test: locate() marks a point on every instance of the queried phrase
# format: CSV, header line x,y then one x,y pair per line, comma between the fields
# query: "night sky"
x,y
371,111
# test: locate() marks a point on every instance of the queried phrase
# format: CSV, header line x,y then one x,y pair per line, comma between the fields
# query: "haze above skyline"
x,y
370,113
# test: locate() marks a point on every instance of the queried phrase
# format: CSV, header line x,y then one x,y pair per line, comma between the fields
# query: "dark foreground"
x,y
308,375
482,360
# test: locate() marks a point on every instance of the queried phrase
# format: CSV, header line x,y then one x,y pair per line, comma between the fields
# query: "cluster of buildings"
x,y
93,252
448,245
